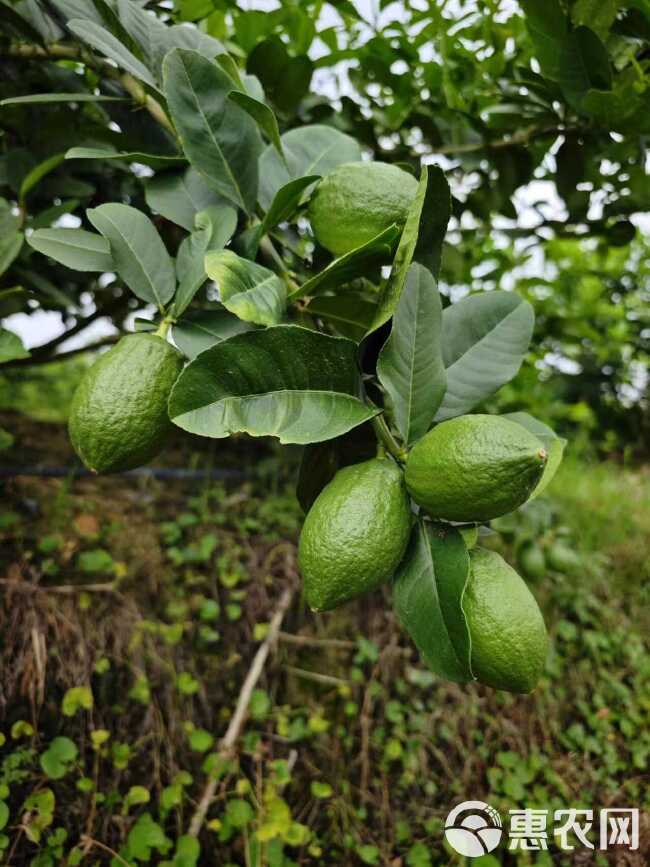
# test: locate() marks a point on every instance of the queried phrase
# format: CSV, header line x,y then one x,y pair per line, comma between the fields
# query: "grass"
x,y
607,507
113,702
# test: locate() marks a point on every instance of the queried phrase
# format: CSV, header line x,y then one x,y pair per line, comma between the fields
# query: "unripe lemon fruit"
x,y
358,201
355,534
118,418
474,468
509,641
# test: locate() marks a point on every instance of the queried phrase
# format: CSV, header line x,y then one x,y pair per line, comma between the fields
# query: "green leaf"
x,y
74,248
139,255
485,339
200,740
102,40
348,312
428,594
599,15
204,328
58,757
436,212
45,98
154,161
410,366
4,815
219,138
75,699
286,79
144,836
135,796
260,704
262,115
187,852
10,247
95,560
287,381
548,28
553,444
250,291
214,228
320,790
309,150
239,812
286,202
11,346
584,66
404,255
180,197
356,263
33,177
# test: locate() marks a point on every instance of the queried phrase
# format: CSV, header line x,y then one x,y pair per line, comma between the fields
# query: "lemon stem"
x,y
386,439
163,328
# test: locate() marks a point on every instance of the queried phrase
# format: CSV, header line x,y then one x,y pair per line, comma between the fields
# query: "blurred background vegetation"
x,y
142,601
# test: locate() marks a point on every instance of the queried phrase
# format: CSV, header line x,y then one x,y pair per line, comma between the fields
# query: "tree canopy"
x,y
537,112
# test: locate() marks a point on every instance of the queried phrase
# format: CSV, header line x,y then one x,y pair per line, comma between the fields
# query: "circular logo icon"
x,y
473,828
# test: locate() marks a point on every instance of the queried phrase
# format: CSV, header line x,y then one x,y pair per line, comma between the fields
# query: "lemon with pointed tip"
x,y
474,468
358,201
118,417
355,534
509,641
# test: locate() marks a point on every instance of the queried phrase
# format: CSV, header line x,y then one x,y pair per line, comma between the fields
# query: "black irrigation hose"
x,y
155,472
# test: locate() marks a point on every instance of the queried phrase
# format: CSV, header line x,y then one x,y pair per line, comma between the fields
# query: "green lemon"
x,y
561,558
118,418
474,468
531,560
355,534
357,201
509,641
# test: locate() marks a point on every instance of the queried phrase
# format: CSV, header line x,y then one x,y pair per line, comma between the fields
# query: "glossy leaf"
x,y
11,346
288,382
548,28
485,339
47,98
410,366
138,253
219,138
250,291
214,228
154,161
553,444
10,247
33,177
309,150
349,313
404,255
102,40
436,212
74,248
584,66
262,115
180,196
428,598
201,329
285,78
356,263
286,202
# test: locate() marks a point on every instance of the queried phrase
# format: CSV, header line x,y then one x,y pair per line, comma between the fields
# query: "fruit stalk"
x,y
387,440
